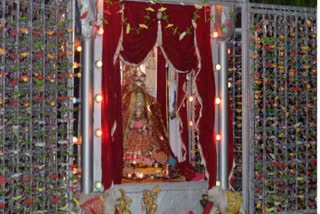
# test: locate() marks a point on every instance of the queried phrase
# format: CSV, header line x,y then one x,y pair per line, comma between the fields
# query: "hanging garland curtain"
x,y
136,42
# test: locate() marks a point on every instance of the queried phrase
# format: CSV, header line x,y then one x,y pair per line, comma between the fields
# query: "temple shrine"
x,y
158,107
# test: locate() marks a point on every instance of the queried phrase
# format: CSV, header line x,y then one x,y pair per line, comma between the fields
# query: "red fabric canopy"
x,y
182,55
137,45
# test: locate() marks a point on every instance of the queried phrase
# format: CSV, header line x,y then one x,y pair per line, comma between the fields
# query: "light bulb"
x,y
98,132
100,30
75,100
229,84
74,171
190,123
215,34
98,185
218,100
218,137
99,64
98,98
75,65
74,139
218,67
79,48
190,98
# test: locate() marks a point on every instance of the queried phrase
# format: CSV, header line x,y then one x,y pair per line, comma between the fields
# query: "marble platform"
x,y
173,198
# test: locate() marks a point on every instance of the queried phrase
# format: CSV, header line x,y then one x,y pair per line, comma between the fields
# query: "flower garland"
x,y
36,110
164,17
284,65
234,77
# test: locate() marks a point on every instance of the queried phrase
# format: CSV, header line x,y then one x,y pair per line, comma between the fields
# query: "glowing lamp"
x,y
190,98
218,183
229,51
75,65
100,31
218,137
98,98
99,64
190,123
218,67
218,100
79,48
98,132
74,171
215,34
229,84
75,100
98,185
74,139
141,175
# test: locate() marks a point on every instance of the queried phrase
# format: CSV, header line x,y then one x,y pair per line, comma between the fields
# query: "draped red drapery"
x,y
206,89
180,52
111,147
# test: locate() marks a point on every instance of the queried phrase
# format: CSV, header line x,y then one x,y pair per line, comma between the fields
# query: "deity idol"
x,y
145,137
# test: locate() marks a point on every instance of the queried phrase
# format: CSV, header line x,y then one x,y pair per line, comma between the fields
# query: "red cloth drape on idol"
x,y
192,53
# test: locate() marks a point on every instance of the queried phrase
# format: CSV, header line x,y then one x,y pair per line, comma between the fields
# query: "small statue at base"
x,y
125,203
149,200
225,201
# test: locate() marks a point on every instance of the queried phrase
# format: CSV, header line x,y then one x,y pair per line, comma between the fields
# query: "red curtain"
x,y
111,148
206,90
181,53
136,45
138,42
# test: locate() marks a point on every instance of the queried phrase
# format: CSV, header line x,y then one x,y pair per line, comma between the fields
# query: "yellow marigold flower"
x,y
24,30
305,48
2,51
69,52
50,56
50,32
24,54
